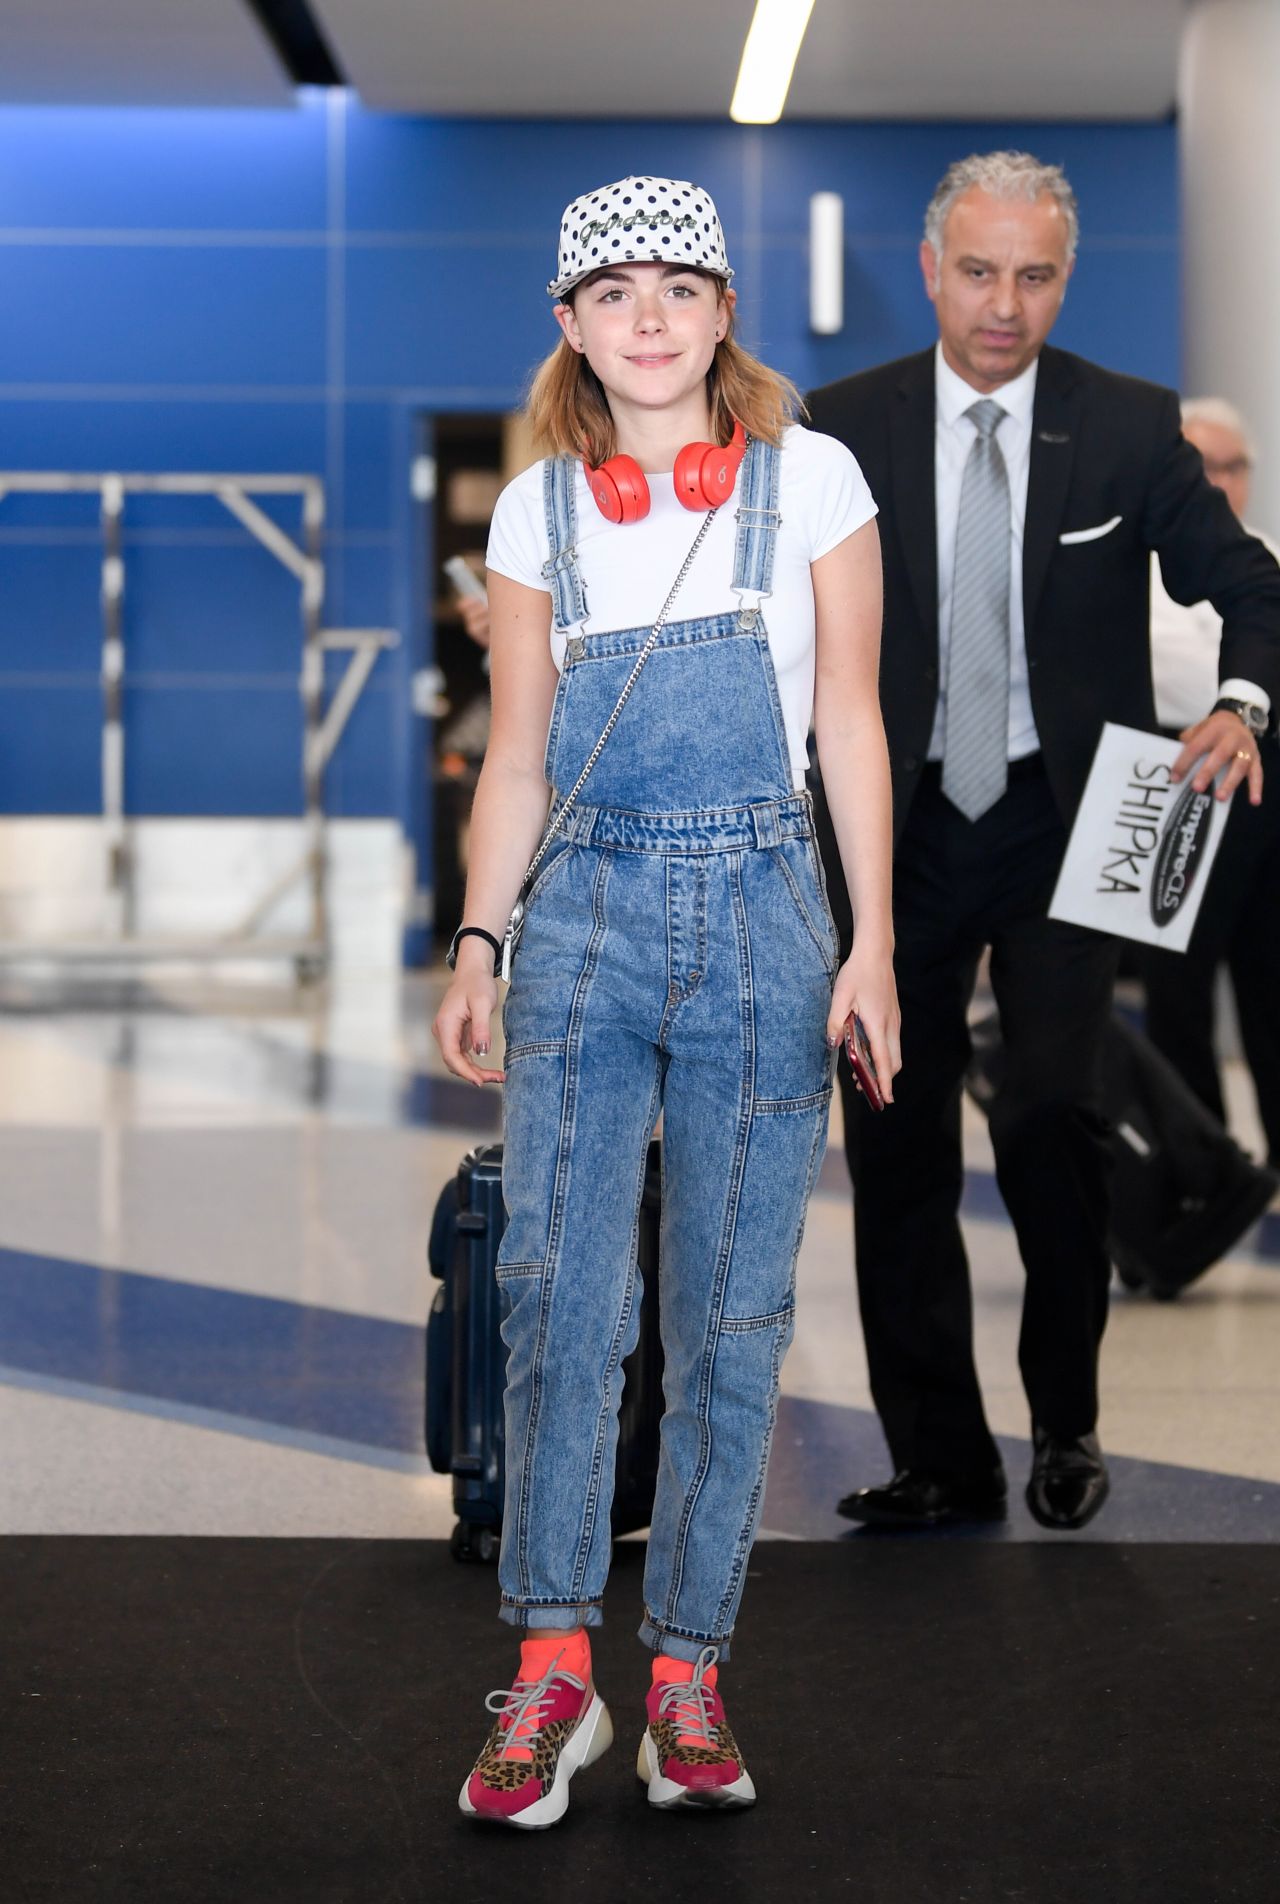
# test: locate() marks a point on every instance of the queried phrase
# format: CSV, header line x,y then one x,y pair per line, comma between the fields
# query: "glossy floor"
x,y
213,1213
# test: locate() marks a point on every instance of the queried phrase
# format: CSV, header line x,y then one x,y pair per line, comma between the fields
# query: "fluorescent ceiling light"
x,y
768,60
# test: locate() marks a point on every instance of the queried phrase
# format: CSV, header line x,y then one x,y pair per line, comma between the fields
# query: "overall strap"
x,y
757,520
561,571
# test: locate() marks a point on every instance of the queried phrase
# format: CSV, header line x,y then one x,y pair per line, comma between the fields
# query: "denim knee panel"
x,y
677,956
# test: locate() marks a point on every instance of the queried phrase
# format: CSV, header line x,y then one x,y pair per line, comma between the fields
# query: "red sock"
x,y
678,1672
538,1655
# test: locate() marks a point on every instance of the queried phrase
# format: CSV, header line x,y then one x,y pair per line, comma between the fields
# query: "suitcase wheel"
x,y
477,1545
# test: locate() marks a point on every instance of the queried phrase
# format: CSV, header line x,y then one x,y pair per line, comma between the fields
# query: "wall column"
x,y
1229,127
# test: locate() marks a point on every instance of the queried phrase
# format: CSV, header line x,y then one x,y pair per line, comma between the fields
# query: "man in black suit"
x,y
1021,492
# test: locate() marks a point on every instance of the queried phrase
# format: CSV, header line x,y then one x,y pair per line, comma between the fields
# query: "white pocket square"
x,y
1091,535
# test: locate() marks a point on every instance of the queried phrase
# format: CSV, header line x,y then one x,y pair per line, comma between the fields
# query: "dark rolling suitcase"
x,y
1183,1192
466,1359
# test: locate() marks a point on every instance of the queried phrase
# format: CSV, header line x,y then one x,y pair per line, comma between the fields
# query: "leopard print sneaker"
x,y
689,1758
545,1731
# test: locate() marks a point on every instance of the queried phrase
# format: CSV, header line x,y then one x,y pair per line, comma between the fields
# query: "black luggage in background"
x,y
1183,1192
466,1359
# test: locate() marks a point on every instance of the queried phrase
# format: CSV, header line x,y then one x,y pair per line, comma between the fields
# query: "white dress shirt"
x,y
953,438
1184,654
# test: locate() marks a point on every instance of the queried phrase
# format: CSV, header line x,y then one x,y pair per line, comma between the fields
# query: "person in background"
x,y
1239,924
1022,490
460,744
474,615
466,736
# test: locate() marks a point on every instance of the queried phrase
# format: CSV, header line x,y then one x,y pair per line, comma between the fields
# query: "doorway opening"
x,y
476,454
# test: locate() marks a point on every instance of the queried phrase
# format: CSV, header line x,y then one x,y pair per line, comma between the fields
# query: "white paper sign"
x,y
1138,859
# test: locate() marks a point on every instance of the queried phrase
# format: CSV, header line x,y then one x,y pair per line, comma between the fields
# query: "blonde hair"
x,y
569,412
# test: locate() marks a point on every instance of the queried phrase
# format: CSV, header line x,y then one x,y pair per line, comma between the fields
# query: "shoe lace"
x,y
688,1703
521,1706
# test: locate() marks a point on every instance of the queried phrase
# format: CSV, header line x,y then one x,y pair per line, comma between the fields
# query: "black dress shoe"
x,y
915,1498
1069,1480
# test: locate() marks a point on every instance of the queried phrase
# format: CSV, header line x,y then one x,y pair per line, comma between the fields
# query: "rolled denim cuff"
x,y
541,1615
660,1639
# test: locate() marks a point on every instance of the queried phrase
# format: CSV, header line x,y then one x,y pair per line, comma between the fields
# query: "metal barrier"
x,y
324,717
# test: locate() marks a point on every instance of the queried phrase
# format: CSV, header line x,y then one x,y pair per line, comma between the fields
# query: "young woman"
x,y
677,954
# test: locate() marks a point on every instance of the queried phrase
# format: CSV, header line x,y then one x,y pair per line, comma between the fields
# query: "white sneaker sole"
x,y
667,1795
591,1739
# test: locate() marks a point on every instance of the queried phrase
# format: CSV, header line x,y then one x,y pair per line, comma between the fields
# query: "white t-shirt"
x,y
628,571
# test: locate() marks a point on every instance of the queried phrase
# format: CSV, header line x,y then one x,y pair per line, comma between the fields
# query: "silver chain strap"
x,y
558,819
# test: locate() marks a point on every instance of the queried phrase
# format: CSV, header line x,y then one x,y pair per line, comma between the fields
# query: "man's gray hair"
x,y
1003,175
1218,411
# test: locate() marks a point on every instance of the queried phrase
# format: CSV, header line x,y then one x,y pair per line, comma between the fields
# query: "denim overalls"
x,y
677,956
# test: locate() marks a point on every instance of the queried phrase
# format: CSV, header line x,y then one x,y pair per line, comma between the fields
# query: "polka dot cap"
x,y
639,221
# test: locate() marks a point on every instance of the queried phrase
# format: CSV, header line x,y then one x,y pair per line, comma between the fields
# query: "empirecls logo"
x,y
1182,843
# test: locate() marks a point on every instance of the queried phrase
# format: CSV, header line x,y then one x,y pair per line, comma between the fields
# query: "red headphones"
x,y
703,478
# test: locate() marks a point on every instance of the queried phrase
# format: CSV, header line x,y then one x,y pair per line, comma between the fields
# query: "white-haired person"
x,y
1022,490
1239,925
676,589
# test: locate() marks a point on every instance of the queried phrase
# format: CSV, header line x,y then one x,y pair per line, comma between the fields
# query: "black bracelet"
x,y
473,932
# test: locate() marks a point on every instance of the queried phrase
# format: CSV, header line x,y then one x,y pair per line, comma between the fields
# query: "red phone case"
x,y
861,1063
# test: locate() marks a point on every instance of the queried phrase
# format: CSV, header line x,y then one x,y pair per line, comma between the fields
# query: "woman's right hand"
x,y
462,1024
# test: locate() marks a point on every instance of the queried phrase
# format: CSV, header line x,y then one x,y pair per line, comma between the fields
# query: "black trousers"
x,y
1239,926
960,885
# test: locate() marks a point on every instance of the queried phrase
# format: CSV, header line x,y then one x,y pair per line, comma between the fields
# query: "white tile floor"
x,y
242,1142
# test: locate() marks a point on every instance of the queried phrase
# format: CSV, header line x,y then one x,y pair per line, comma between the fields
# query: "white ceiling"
x,y
138,53
862,59
536,58
988,59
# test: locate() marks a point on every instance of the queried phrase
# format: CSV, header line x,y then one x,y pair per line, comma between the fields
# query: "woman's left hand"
x,y
865,985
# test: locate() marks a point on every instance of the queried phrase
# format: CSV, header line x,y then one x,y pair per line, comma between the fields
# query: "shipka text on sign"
x,y
1137,828
1138,859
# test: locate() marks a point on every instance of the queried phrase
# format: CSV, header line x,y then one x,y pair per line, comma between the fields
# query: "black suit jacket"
x,y
1102,445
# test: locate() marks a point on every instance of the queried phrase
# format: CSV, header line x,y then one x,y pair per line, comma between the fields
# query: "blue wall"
x,y
290,291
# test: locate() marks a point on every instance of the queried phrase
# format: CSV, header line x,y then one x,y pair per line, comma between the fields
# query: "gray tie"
x,y
975,766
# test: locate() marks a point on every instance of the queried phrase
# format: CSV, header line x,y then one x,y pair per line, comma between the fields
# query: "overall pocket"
x,y
797,861
556,854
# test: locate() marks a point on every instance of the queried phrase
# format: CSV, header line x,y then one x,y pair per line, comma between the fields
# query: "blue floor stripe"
x,y
822,1451
349,1386
354,1382
351,1379
273,1434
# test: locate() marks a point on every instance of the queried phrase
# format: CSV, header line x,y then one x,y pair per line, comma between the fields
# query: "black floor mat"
x,y
255,1720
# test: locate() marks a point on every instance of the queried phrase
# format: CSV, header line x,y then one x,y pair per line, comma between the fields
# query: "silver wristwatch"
x,y
1255,718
